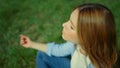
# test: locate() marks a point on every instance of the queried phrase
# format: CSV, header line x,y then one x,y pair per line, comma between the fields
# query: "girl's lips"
x,y
62,31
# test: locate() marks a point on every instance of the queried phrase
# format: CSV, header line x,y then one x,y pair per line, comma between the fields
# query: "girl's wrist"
x,y
31,44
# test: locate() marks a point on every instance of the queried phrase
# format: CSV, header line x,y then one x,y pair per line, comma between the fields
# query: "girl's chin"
x,y
63,37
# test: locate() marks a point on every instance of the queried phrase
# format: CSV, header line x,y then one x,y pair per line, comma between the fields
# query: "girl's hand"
x,y
25,41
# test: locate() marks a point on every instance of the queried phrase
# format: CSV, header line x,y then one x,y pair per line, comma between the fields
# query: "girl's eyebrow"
x,y
72,23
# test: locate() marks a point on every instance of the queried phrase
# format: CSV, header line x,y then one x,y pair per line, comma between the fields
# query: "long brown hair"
x,y
97,34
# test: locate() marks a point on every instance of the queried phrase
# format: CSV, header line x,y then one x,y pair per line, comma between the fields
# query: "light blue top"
x,y
63,49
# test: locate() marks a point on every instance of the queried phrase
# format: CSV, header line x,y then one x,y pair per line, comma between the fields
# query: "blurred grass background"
x,y
41,20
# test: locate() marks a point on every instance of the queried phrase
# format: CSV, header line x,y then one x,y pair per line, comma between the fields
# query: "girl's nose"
x,y
63,24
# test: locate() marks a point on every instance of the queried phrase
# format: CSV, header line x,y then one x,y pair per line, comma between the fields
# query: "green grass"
x,y
41,20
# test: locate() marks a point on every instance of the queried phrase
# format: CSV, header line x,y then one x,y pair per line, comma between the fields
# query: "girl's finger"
x,y
21,42
22,36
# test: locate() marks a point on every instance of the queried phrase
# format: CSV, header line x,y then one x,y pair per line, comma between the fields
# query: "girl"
x,y
92,41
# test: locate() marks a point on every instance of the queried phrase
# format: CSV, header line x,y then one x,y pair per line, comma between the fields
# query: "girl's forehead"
x,y
74,17
74,13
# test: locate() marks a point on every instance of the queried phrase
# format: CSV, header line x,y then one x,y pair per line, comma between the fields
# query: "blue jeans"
x,y
45,61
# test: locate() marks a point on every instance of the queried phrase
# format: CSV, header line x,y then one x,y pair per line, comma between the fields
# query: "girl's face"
x,y
69,32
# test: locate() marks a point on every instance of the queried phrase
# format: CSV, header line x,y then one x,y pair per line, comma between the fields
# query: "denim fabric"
x,y
45,61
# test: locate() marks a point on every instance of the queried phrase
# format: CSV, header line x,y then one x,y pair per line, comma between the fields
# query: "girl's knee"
x,y
41,54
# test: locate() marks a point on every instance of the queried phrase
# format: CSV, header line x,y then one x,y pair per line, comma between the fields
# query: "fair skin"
x,y
69,34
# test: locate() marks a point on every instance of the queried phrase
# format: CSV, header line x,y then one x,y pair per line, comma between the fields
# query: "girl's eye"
x,y
71,27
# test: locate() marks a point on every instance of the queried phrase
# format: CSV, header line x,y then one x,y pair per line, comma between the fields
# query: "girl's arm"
x,y
63,49
52,49
27,43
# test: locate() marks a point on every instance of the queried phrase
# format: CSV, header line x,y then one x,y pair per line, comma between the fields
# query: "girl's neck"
x,y
78,47
82,51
